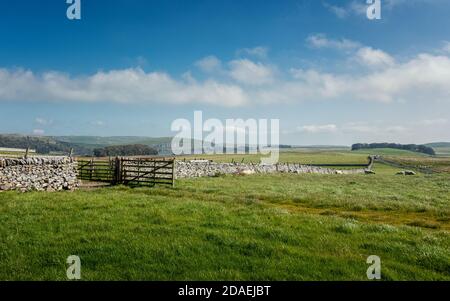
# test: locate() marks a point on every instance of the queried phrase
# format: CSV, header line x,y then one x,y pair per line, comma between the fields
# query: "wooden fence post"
x,y
173,173
154,172
118,171
91,169
139,170
371,161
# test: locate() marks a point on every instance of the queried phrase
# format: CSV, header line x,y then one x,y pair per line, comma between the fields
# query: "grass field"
x,y
260,227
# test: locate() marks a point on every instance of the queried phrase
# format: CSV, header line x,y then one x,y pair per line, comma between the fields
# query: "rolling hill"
x,y
100,141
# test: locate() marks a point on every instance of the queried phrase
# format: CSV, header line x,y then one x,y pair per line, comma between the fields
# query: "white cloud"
x,y
391,4
446,47
141,61
316,129
423,78
259,52
360,128
209,64
352,8
374,57
187,77
248,72
396,129
322,41
340,12
355,129
122,86
38,132
367,56
98,123
359,7
434,122
42,121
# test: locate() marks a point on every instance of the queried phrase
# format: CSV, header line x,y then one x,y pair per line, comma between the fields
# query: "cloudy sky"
x,y
329,74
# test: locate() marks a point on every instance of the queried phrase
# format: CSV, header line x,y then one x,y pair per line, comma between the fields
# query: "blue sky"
x,y
131,67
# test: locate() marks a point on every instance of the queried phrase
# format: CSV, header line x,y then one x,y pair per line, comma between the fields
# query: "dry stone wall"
x,y
38,173
211,169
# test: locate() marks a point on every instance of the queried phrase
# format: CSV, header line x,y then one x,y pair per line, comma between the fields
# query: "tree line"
x,y
125,150
409,147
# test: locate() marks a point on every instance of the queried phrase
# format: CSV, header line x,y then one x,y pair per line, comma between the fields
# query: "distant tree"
x,y
100,152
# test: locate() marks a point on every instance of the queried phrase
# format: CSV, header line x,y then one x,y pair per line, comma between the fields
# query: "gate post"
x,y
371,161
91,170
118,171
173,173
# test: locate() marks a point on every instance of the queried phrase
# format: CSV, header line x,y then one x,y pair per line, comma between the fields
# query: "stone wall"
x,y
211,169
38,173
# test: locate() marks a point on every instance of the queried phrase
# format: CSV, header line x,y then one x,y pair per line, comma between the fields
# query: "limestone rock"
x,y
38,174
406,173
210,169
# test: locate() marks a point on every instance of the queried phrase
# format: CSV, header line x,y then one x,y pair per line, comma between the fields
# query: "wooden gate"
x,y
96,170
129,171
147,171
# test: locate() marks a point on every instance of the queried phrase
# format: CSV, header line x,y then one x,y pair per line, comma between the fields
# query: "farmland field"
x,y
259,227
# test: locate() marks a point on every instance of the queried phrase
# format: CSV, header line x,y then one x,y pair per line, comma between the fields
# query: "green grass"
x,y
261,227
14,154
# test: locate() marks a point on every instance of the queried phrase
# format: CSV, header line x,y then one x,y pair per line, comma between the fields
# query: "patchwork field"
x,y
259,227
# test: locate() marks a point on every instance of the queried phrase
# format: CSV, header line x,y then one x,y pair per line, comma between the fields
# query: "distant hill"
x,y
99,141
42,145
81,145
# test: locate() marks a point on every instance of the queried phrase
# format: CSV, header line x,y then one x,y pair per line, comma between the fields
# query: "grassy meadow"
x,y
259,227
